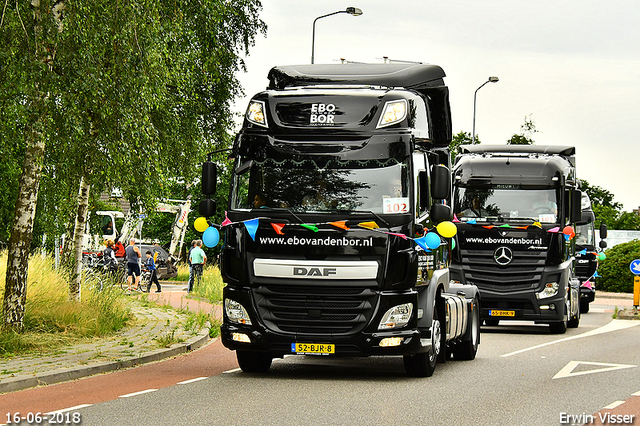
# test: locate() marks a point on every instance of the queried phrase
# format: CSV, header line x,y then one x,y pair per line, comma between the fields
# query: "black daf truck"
x,y
517,206
587,253
340,173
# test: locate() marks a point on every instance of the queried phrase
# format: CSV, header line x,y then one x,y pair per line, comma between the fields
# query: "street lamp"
x,y
491,79
350,10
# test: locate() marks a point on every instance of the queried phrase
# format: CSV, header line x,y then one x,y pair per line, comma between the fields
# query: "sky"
x,y
572,67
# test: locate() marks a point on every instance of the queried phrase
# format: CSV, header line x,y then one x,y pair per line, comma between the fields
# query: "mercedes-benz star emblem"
x,y
503,255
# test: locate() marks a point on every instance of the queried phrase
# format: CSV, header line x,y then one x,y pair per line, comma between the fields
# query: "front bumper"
x,y
265,334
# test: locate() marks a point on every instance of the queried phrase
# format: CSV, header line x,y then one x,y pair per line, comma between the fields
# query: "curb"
x,y
66,374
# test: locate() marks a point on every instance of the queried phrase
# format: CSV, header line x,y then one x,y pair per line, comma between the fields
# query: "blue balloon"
x,y
211,237
433,240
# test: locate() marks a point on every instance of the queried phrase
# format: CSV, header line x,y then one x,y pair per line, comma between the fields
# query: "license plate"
x,y
313,348
495,313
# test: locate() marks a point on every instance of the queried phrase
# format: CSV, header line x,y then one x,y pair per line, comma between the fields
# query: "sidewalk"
x,y
138,344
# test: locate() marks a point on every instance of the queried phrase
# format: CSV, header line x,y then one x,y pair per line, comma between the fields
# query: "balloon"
x,y
433,240
568,230
201,224
211,237
447,229
602,256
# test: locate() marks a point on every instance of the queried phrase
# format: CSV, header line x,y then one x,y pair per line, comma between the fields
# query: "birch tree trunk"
x,y
78,235
15,291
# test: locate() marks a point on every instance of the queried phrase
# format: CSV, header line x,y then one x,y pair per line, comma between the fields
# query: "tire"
x,y
584,306
145,284
424,364
558,327
575,322
468,348
254,362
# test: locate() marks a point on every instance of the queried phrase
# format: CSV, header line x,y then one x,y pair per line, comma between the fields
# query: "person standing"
x,y
151,266
190,282
133,266
198,258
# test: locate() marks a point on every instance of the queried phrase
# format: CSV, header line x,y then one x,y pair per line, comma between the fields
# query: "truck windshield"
x,y
379,186
540,205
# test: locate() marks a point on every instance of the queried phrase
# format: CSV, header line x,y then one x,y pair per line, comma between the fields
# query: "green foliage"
x,y
616,276
607,210
461,138
525,137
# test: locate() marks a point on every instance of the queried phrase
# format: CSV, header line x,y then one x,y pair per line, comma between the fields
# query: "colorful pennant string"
x,y
278,228
310,227
368,225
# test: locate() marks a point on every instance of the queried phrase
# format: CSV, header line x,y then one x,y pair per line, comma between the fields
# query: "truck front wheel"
x,y
254,362
424,364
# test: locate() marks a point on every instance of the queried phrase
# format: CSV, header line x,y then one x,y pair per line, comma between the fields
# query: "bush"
x,y
615,272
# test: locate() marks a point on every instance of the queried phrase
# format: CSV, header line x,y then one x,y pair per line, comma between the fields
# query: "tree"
x,y
112,94
461,138
525,137
607,210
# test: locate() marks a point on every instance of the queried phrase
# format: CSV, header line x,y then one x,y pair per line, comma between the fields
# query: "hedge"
x,y
615,272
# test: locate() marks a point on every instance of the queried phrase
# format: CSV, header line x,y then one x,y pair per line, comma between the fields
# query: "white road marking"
x,y
192,380
64,410
137,393
567,370
613,405
232,371
614,325
636,394
598,310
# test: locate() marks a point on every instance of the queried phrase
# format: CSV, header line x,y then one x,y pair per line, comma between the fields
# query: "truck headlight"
x,y
396,317
236,312
255,113
550,290
392,113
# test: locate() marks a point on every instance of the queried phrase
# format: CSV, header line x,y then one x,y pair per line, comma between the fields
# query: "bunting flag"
x,y
455,218
422,243
310,227
404,237
488,226
368,225
226,220
596,275
472,221
556,229
537,224
278,228
340,224
583,252
252,227
506,225
587,284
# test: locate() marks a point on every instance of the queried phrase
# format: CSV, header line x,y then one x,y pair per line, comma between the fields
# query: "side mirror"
x,y
576,206
440,182
603,244
440,213
603,231
207,207
209,178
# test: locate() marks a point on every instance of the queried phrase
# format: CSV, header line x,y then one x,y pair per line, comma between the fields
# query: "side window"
x,y
421,187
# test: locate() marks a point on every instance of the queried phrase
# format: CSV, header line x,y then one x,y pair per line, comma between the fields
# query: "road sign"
x,y
634,266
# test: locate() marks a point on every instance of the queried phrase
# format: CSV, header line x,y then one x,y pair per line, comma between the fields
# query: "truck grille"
x,y
315,309
524,272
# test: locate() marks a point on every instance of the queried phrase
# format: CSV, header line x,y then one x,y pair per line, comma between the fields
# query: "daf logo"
x,y
314,272
503,256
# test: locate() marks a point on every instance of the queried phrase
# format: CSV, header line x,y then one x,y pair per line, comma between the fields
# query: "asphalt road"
x,y
522,375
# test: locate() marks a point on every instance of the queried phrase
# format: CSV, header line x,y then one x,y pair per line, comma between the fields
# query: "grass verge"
x,y
52,320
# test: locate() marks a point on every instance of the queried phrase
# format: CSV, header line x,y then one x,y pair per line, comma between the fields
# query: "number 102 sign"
x,y
395,205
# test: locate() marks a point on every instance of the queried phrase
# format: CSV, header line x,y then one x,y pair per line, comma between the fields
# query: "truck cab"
x,y
516,206
338,169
